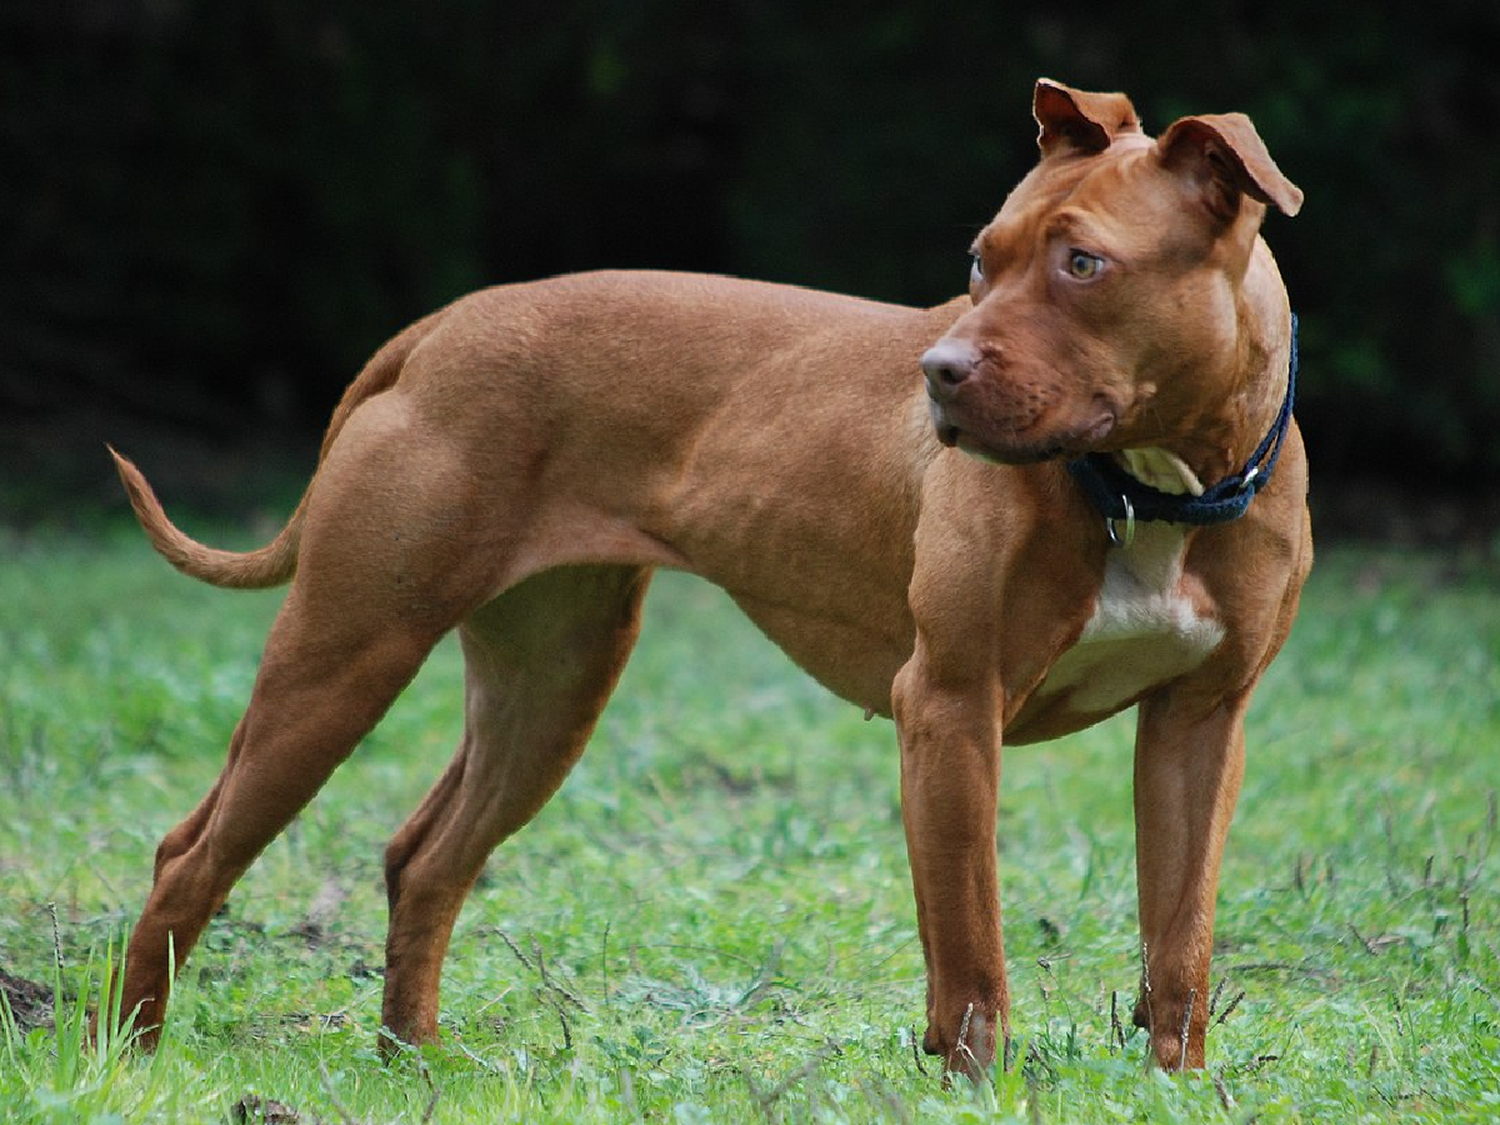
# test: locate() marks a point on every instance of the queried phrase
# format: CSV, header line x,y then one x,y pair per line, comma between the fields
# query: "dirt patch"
x,y
30,1002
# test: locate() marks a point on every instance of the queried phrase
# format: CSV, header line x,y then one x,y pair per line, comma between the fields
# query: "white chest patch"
x,y
1144,631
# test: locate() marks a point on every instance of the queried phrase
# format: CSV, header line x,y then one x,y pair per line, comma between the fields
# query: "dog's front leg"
x,y
1189,761
950,759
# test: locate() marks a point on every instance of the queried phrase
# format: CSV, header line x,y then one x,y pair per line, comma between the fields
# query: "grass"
x,y
712,922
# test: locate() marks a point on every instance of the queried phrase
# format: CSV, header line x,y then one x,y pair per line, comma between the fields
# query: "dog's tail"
x,y
276,562
271,565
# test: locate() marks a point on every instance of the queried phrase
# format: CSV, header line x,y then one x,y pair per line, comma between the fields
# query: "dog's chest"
x,y
1145,630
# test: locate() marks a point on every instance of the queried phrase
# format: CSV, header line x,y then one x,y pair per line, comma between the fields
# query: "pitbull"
x,y
997,521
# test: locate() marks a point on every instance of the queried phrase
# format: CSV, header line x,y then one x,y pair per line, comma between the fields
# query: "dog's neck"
x,y
1156,484
1254,414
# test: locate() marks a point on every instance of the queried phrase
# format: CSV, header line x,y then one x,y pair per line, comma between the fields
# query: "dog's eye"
x,y
1084,266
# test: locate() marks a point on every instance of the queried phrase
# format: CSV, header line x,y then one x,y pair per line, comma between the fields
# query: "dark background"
x,y
211,213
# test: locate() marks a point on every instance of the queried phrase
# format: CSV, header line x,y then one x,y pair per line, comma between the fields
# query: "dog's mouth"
x,y
1082,440
965,442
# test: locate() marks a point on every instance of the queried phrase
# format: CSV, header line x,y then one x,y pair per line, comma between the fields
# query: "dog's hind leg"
x,y
541,661
321,687
388,563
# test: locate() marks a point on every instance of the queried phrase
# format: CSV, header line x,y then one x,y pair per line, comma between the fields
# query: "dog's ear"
x,y
1075,121
1225,158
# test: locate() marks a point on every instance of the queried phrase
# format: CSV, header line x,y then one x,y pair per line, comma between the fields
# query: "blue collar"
x,y
1120,497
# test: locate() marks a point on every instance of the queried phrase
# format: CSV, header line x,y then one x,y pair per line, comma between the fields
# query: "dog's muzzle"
x,y
947,365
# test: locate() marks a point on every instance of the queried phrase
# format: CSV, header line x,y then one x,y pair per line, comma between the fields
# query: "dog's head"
x,y
1111,291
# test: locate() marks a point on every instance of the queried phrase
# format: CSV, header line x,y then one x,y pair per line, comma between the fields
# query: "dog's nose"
x,y
947,365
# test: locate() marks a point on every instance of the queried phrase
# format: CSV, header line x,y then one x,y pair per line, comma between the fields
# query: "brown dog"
x,y
517,464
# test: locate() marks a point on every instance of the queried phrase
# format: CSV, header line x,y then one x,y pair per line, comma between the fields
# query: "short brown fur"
x,y
517,464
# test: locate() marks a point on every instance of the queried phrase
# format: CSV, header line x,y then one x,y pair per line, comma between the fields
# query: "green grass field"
x,y
713,921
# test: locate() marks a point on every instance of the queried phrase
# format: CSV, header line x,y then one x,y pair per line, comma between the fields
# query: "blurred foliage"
x,y
213,212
